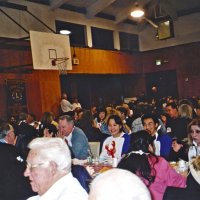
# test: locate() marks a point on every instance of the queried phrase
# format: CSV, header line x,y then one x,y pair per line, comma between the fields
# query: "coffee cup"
x,y
182,166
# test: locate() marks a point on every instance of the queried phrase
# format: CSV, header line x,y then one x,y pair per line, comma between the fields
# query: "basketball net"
x,y
61,63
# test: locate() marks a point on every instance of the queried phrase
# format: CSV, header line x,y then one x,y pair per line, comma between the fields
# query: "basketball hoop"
x,y
61,63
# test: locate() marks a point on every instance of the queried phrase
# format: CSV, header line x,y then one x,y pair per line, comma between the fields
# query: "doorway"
x,y
165,82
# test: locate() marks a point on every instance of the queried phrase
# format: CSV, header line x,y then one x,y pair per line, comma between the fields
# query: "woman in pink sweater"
x,y
155,171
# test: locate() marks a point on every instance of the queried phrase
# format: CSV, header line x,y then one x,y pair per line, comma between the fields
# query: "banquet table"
x,y
175,166
97,167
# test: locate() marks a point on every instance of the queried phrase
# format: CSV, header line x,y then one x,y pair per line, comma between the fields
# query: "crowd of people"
x,y
143,135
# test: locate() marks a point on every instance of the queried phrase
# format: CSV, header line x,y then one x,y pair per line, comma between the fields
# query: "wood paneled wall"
x,y
13,57
42,91
43,87
96,61
185,59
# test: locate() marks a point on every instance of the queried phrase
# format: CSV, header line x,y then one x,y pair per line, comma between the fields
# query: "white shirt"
x,y
66,106
193,151
3,140
76,105
157,145
119,142
66,188
69,139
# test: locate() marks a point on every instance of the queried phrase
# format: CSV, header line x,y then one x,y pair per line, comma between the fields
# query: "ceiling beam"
x,y
13,5
54,4
97,7
124,13
169,9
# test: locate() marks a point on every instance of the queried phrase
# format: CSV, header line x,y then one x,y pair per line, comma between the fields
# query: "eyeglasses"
x,y
33,166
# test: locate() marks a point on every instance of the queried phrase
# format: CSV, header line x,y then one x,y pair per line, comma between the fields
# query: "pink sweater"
x,y
165,176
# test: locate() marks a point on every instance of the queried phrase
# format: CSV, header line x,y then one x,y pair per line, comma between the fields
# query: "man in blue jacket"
x,y
162,142
74,137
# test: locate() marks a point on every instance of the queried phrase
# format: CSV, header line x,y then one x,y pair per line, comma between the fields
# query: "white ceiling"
x,y
106,14
118,10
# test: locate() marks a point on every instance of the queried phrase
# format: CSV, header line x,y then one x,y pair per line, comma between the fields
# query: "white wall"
x,y
43,12
186,30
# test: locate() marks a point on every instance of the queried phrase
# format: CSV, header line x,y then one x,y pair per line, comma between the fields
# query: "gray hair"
x,y
118,184
4,130
68,118
53,149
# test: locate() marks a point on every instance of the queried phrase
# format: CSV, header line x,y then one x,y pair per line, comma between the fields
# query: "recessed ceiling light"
x,y
65,32
137,12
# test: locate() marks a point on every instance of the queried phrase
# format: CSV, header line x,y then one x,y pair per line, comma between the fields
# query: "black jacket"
x,y
191,192
25,133
13,184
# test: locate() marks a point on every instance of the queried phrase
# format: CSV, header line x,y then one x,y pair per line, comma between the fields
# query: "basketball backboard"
x,y
47,47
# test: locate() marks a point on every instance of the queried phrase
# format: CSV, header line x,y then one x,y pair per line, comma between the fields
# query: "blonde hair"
x,y
111,111
195,121
186,111
195,168
196,163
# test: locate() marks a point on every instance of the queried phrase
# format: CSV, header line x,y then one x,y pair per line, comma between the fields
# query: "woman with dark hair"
x,y
100,120
86,123
178,151
154,171
48,123
118,143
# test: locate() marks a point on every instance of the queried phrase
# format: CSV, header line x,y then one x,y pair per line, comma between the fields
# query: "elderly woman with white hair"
x,y
118,184
49,171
